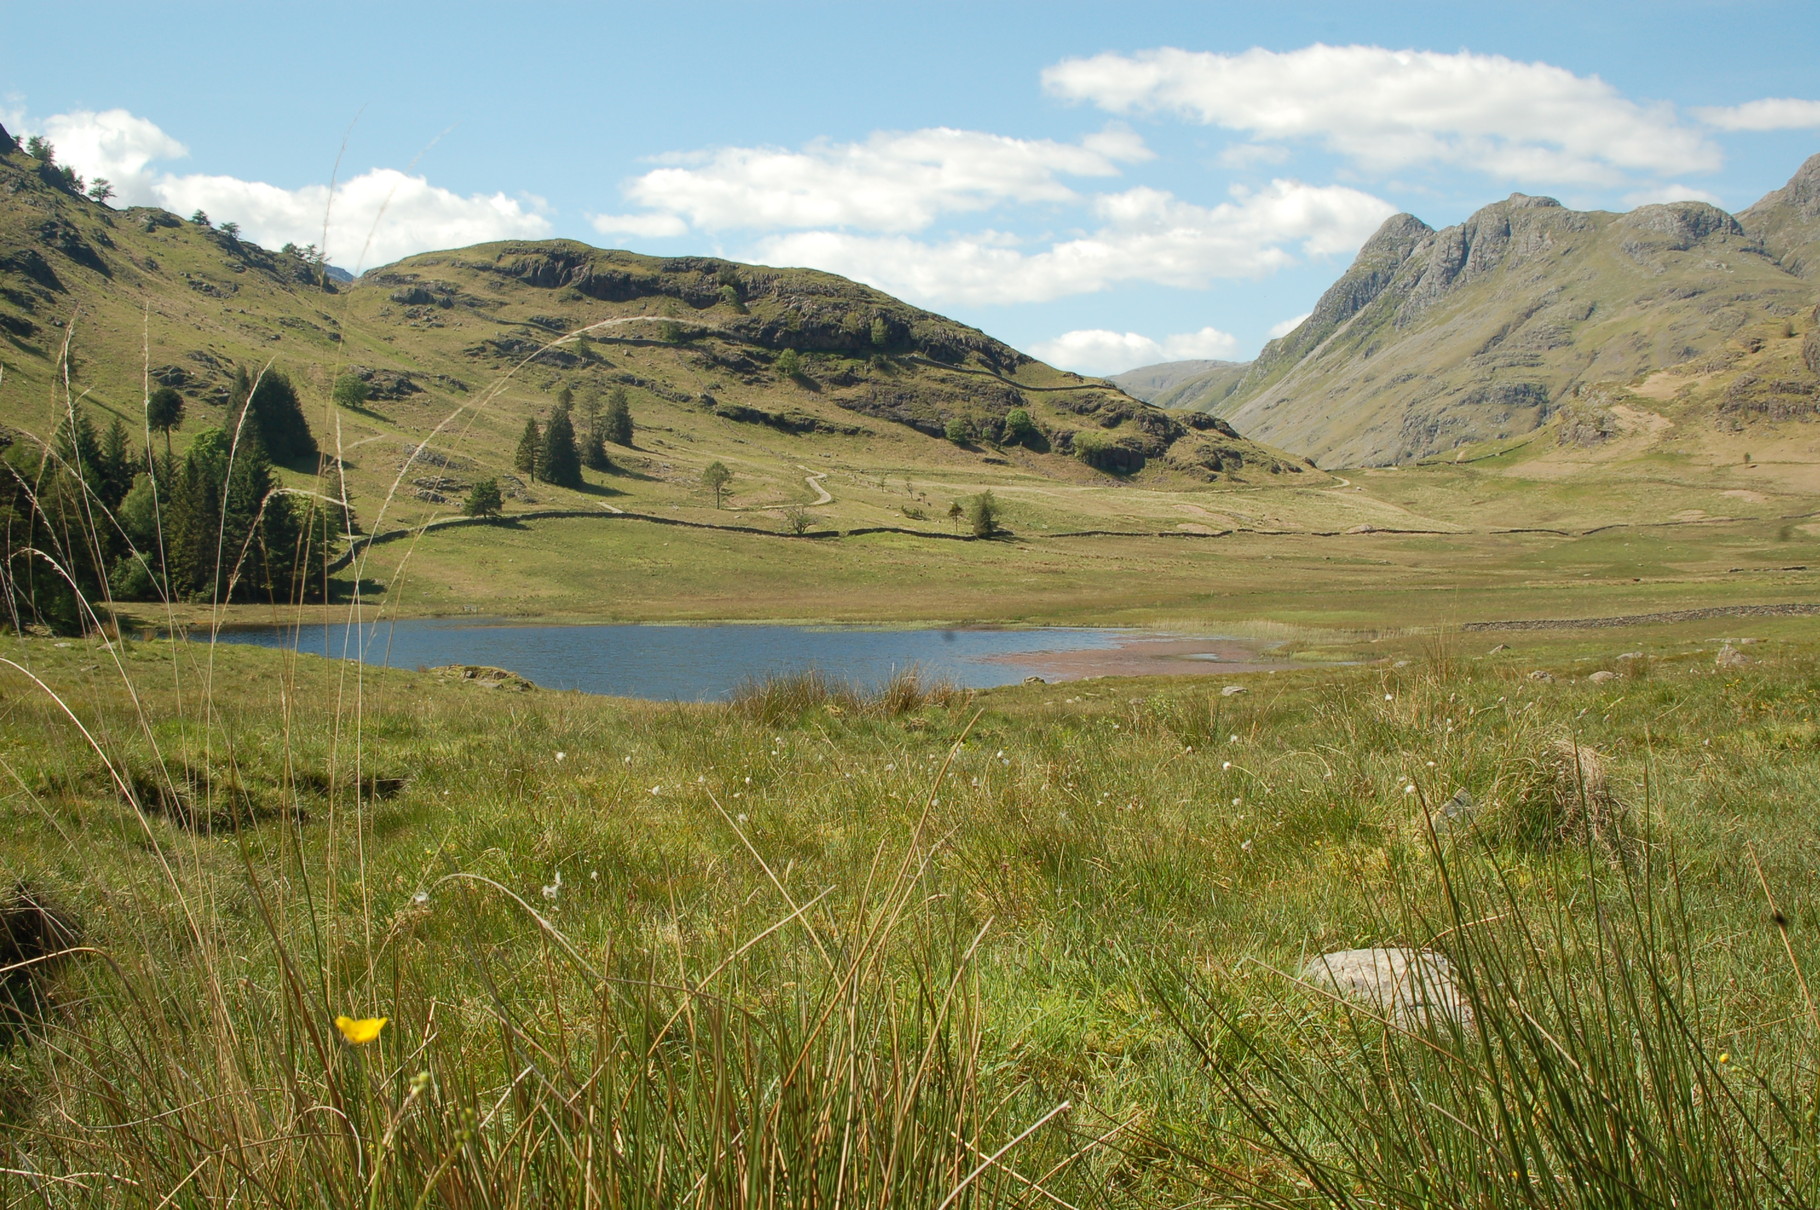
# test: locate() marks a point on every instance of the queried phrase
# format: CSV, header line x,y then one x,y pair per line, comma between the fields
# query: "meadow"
x,y
1032,946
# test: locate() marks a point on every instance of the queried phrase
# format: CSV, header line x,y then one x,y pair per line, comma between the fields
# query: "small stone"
x,y
1631,655
1232,690
1416,988
1455,812
1540,675
1731,657
1498,648
1602,676
1401,664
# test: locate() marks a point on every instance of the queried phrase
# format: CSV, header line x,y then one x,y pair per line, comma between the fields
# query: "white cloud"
x,y
1100,351
1771,113
648,226
371,219
113,144
891,182
1287,326
1146,235
1669,193
1388,109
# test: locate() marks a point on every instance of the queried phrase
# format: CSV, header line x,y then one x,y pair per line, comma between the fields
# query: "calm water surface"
x,y
689,663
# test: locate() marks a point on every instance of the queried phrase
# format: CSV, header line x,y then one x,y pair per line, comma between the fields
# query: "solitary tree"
x,y
201,218
955,513
39,148
957,431
351,391
880,333
484,500
617,421
231,230
982,515
164,412
101,190
530,449
714,477
789,364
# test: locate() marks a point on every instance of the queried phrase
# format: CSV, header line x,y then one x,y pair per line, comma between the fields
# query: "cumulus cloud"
x,y
891,182
1388,109
1285,327
373,218
1145,235
1771,113
1101,351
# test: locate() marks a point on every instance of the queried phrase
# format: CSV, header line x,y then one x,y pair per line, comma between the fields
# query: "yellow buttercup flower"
x,y
362,1031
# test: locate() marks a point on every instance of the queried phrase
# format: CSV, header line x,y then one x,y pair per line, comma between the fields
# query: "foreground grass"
x,y
820,951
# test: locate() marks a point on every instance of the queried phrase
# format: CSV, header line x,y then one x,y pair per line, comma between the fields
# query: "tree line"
x,y
94,515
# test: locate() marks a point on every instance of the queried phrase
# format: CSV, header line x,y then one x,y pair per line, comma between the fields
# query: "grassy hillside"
x,y
1437,339
458,349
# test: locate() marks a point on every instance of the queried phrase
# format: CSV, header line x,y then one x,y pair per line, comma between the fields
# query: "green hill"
x,y
1434,340
457,349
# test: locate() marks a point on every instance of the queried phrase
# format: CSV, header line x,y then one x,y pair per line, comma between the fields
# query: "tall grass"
x,y
1591,1072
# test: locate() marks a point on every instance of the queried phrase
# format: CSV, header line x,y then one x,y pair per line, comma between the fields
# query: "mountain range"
x,y
1436,340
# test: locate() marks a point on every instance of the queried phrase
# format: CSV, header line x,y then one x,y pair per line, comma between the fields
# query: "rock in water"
x,y
1414,988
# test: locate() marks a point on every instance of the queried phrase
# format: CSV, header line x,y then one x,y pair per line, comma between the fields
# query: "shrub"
x,y
983,515
484,499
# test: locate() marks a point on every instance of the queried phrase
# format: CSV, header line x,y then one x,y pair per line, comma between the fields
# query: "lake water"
x,y
705,663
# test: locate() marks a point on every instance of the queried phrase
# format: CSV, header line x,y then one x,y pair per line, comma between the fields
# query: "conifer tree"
x,y
593,436
275,415
561,460
118,464
618,419
530,450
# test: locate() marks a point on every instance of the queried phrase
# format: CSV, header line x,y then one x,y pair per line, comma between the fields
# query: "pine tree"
x,y
530,450
618,418
275,415
593,438
192,535
561,460
118,464
484,500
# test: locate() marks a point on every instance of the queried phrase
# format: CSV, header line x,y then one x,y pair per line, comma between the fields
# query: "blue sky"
x,y
1103,185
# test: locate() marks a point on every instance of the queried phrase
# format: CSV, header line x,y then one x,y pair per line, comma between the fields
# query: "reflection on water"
x,y
690,663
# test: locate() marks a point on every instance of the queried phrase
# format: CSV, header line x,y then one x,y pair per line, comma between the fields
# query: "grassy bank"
x,y
815,950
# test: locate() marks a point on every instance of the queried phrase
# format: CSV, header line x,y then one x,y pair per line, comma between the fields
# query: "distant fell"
x,y
1148,382
1436,339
